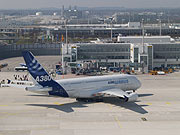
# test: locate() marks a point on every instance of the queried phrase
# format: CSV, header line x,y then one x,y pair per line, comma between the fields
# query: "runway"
x,y
156,112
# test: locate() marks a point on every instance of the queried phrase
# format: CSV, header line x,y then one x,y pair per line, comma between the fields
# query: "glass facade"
x,y
150,57
136,54
144,62
8,51
166,51
103,51
82,32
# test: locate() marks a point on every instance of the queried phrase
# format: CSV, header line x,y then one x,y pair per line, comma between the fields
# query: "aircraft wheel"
x,y
84,100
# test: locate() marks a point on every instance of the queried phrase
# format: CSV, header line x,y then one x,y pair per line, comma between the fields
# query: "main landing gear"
x,y
84,99
89,100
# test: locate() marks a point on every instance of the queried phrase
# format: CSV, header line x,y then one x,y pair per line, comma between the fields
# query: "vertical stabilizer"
x,y
40,75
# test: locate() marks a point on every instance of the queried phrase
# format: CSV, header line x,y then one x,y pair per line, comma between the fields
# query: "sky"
x,y
34,4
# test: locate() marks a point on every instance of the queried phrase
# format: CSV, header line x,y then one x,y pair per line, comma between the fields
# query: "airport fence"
x,y
9,51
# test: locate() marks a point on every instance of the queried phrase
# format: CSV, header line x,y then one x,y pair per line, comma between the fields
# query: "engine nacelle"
x,y
132,97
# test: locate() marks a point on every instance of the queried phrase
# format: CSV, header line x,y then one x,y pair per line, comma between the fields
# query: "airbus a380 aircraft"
x,y
122,86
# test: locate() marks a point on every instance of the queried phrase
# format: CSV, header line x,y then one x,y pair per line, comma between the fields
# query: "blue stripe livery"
x,y
41,76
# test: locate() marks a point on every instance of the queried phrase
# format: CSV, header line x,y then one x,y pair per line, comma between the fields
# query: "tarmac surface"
x,y
156,112
47,62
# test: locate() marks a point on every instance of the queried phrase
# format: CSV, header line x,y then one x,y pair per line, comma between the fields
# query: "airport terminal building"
x,y
158,51
155,51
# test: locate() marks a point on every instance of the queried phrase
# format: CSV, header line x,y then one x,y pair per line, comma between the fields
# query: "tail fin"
x,y
41,76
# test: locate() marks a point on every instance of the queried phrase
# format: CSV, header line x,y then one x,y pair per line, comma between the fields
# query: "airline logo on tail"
x,y
35,66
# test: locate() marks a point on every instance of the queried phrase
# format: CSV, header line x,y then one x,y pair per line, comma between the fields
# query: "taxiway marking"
x,y
118,122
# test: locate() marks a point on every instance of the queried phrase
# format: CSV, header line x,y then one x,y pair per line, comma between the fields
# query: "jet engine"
x,y
131,98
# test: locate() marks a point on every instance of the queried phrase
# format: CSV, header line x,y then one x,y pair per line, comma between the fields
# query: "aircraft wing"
x,y
120,93
114,92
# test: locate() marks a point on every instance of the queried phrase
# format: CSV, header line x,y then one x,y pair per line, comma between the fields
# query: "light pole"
x,y
76,52
66,35
143,35
111,26
160,32
142,62
62,58
111,29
